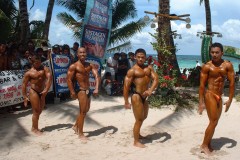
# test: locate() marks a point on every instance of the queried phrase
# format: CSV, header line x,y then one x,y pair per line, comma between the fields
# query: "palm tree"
x,y
208,16
24,21
8,13
123,10
48,19
164,32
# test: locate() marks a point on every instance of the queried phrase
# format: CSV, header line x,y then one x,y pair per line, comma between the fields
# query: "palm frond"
x,y
123,10
127,31
8,7
124,46
68,20
78,7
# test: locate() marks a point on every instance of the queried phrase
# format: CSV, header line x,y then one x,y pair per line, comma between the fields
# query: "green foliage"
x,y
166,94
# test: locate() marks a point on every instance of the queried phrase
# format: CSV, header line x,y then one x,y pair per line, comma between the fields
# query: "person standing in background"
x,y
112,65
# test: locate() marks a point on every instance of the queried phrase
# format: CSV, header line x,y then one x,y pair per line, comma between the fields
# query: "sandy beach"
x,y
170,135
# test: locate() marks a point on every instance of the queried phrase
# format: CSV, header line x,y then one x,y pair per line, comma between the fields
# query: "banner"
x,y
97,27
11,86
205,52
60,64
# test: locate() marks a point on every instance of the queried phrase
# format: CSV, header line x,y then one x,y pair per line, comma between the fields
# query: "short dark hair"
x,y
76,43
35,57
108,74
216,44
140,50
39,50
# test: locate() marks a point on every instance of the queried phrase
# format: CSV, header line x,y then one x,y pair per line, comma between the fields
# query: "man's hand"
x,y
95,93
44,93
127,106
25,101
201,107
73,95
228,103
146,93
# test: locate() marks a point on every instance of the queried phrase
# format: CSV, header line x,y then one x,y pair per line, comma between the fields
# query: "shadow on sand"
x,y
156,136
57,127
110,129
218,143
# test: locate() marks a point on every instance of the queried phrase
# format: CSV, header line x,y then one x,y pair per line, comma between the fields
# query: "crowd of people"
x,y
17,56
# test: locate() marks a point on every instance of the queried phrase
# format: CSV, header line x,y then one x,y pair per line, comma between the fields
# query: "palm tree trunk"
x,y
208,17
24,21
164,32
48,19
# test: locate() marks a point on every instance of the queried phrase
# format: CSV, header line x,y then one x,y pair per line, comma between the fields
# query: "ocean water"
x,y
189,61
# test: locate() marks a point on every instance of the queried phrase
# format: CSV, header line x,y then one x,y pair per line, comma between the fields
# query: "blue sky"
x,y
225,19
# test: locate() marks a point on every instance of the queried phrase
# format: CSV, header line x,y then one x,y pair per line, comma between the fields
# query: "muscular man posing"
x,y
140,75
40,79
80,71
213,74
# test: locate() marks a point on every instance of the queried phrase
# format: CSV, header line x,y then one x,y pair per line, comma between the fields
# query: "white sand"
x,y
171,136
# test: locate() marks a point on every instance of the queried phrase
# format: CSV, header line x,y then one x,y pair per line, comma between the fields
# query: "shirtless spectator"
x,y
213,74
80,71
40,79
140,75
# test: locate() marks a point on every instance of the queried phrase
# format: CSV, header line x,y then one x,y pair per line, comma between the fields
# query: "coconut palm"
x,y
122,30
24,19
164,32
8,12
48,19
208,16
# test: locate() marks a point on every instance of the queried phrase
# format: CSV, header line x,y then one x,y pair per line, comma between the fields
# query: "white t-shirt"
x,y
113,62
107,87
198,64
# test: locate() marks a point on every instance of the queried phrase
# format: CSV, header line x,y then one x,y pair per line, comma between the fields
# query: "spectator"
x,y
66,49
131,59
112,64
197,64
56,49
122,67
25,61
31,47
39,51
13,58
73,52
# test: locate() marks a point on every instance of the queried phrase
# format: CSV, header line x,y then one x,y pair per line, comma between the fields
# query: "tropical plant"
x,y
8,14
122,11
166,93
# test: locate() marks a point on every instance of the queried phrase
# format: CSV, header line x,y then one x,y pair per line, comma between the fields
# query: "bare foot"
x,y
83,138
138,144
205,150
37,132
75,129
210,148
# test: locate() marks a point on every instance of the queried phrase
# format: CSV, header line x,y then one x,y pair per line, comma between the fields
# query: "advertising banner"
x,y
11,86
206,42
97,27
60,64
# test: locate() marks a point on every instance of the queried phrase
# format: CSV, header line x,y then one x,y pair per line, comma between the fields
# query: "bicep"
x,y
48,73
70,72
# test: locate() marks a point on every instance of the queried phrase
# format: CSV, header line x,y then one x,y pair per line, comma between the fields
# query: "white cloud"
x,y
38,15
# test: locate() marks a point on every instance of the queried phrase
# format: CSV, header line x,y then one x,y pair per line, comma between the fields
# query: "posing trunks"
x,y
38,93
87,91
217,97
142,98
